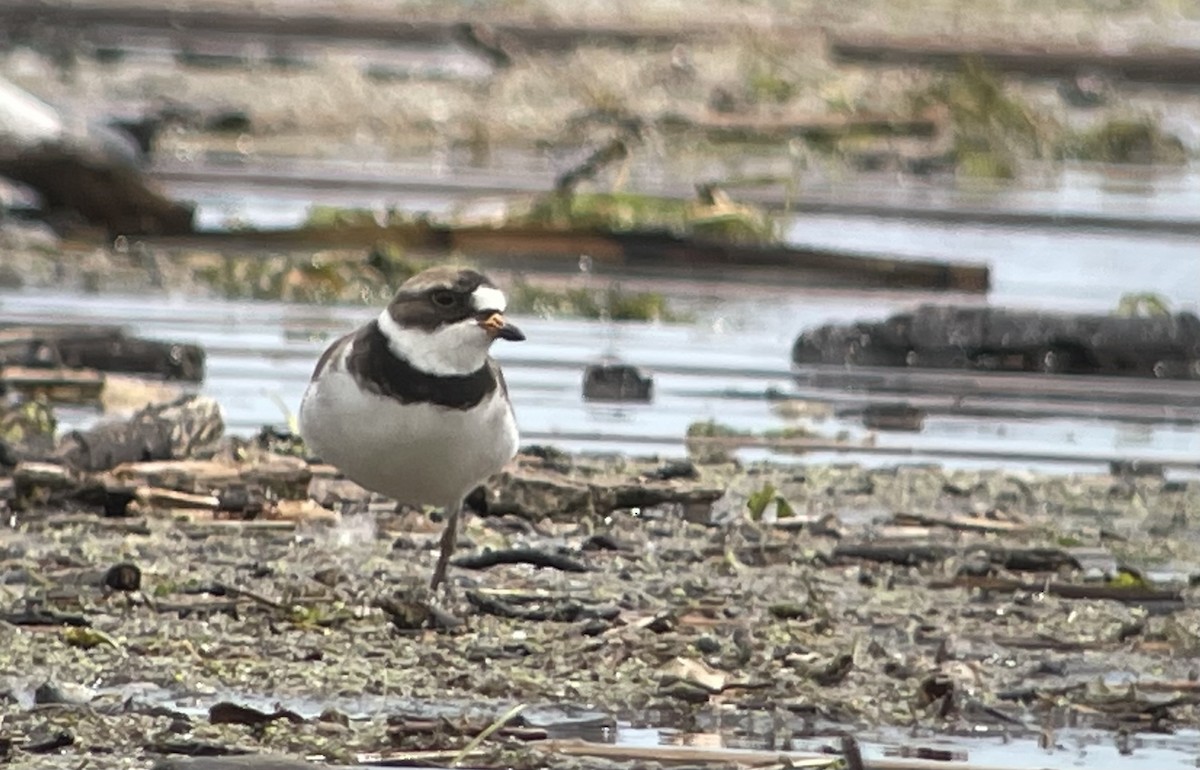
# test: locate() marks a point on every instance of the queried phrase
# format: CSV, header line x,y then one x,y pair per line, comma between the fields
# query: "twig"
x,y
221,589
1065,590
961,523
483,736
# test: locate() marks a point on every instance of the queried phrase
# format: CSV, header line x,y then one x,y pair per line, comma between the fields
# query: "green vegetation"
x,y
1126,140
717,219
704,452
1140,304
992,128
756,504
30,420
611,303
333,277
321,216
766,75
791,433
713,429
279,277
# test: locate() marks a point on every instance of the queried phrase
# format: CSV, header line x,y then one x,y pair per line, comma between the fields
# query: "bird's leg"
x,y
449,540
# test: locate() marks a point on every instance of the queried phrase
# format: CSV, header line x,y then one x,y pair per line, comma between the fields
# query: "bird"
x,y
412,405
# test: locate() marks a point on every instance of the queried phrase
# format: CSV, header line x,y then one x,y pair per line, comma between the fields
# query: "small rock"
x,y
617,382
675,469
334,716
123,577
684,691
789,611
602,542
708,645
45,744
330,576
65,693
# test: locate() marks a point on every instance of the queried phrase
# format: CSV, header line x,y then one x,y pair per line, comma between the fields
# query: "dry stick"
x,y
483,736
1063,590
222,589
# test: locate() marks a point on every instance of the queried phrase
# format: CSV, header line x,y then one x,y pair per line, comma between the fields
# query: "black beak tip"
x,y
511,333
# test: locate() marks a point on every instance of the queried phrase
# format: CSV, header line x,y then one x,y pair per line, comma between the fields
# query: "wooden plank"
x,y
1173,66
58,384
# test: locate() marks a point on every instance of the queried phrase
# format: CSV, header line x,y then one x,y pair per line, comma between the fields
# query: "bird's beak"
x,y
496,326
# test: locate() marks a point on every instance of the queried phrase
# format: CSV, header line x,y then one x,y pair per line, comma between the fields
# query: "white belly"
x,y
418,454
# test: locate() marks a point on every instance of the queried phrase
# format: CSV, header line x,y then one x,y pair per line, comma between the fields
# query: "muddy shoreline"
x,y
814,598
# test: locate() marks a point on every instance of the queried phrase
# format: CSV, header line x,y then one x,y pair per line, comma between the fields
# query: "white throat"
x,y
459,348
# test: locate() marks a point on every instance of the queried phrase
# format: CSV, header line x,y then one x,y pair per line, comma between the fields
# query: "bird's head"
x,y
443,320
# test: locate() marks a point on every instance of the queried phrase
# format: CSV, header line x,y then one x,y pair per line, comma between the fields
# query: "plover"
x,y
411,405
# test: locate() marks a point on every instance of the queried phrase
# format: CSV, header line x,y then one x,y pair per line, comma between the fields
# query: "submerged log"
x,y
639,249
87,169
103,348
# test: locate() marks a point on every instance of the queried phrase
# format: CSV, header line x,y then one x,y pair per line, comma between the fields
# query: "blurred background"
x,y
672,193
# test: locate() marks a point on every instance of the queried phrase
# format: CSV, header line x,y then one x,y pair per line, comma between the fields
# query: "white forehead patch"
x,y
488,298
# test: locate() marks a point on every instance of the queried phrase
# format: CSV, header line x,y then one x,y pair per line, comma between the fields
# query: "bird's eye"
x,y
444,298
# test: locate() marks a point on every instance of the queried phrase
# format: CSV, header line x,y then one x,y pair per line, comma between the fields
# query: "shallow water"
x,y
734,361
1073,748
724,367
725,734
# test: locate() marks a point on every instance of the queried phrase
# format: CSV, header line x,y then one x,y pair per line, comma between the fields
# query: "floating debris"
x,y
894,417
617,382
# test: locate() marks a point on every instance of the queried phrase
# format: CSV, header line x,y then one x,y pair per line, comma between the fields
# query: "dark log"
x,y
103,22
997,339
103,348
171,431
907,554
634,250
1178,66
87,169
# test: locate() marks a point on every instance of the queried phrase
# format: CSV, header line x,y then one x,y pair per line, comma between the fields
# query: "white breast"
x,y
419,454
